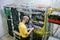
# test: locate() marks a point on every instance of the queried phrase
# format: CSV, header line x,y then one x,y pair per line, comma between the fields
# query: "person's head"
x,y
25,19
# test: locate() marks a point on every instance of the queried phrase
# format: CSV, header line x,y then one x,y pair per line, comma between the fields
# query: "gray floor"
x,y
6,37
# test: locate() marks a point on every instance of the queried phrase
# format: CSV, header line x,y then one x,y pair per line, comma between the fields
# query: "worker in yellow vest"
x,y
24,30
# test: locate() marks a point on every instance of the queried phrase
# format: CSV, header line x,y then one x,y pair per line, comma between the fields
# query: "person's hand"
x,y
32,28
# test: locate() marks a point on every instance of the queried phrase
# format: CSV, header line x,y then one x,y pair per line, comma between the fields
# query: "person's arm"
x,y
31,29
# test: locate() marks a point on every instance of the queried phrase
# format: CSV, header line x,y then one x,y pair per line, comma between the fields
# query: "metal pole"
x,y
46,24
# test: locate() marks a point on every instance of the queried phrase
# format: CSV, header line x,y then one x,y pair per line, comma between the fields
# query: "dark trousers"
x,y
28,38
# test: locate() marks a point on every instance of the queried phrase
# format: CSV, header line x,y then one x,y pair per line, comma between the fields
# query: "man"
x,y
24,30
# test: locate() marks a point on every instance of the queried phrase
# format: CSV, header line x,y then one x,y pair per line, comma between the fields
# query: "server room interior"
x,y
7,34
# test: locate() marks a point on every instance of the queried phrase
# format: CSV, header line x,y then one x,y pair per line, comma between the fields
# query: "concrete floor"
x,y
6,37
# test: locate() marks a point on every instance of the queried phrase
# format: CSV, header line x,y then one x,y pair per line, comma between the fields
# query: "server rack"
x,y
7,11
53,18
34,12
17,12
13,19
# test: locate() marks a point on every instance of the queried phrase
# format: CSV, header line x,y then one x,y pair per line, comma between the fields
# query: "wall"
x,y
56,3
3,23
35,2
4,2
52,3
1,27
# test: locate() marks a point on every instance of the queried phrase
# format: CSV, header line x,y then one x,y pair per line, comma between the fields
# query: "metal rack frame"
x,y
30,15
51,24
